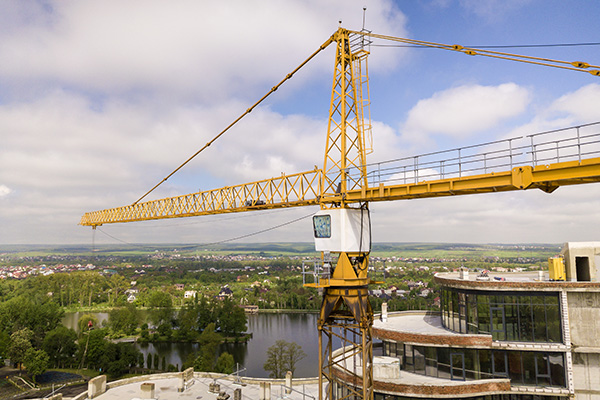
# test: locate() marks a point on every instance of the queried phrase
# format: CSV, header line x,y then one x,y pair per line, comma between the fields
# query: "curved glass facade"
x,y
508,316
521,367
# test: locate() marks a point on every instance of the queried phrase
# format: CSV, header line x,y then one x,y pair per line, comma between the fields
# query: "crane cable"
x,y
255,233
472,51
248,111
574,66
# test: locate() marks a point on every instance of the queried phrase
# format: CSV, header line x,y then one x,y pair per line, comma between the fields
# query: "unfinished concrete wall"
x,y
582,260
584,314
586,376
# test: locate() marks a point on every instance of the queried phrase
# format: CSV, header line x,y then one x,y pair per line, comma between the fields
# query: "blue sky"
x,y
101,100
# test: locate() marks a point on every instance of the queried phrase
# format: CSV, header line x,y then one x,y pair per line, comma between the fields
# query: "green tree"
x,y
149,361
86,322
118,284
205,313
60,346
124,319
20,342
225,363
156,361
4,344
36,362
282,357
275,364
232,319
92,348
293,354
209,342
161,307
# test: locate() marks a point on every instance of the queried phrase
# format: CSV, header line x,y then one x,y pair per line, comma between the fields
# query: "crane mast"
x,y
343,188
346,313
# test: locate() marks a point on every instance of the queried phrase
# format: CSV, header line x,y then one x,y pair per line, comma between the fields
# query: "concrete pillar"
x,y
288,382
265,391
96,386
237,394
147,390
185,378
214,387
384,312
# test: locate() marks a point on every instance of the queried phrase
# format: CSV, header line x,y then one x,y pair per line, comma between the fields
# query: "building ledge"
x,y
414,385
540,390
512,281
531,346
424,328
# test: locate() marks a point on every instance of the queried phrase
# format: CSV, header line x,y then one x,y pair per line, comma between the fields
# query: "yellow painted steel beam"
x,y
302,189
544,177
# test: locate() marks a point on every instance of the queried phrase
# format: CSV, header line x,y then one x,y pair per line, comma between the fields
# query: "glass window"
x,y
515,368
485,364
557,369
483,314
539,319
472,314
455,322
471,366
443,362
499,364
525,319
553,320
542,369
511,315
529,368
497,323
408,358
431,364
419,359
457,368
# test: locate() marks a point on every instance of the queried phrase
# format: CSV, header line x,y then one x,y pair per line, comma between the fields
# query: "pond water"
x,y
266,329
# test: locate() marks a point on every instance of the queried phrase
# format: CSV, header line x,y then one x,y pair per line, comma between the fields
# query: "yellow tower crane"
x,y
346,183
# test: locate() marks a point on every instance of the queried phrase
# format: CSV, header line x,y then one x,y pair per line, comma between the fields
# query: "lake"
x,y
266,329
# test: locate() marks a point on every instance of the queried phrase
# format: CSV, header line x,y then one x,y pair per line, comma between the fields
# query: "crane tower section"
x,y
345,148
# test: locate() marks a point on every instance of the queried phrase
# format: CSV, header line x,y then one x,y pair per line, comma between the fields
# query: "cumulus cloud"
x,y
202,50
581,105
100,101
4,190
461,111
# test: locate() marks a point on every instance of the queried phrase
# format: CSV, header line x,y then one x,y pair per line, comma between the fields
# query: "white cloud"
x,y
581,105
4,190
462,111
202,50
101,100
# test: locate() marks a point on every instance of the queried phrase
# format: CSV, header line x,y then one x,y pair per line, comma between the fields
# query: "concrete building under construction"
x,y
513,336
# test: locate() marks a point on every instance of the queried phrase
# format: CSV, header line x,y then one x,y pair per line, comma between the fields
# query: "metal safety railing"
x,y
575,143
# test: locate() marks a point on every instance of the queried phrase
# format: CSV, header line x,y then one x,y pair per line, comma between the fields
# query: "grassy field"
x,y
407,250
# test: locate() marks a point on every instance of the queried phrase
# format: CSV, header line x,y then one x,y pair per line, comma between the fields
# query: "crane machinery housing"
x,y
346,183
